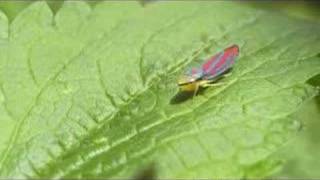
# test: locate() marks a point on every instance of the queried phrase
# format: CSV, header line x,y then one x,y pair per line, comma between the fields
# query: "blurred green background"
x,y
309,10
302,154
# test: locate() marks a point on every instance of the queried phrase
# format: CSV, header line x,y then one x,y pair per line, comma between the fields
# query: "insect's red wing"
x,y
220,62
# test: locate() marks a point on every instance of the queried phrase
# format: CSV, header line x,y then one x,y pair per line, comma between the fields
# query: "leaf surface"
x,y
88,92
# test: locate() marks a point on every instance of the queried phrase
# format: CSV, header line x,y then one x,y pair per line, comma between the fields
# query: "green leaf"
x,y
302,155
12,8
90,92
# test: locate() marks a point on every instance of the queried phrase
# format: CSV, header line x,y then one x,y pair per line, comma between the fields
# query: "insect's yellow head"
x,y
187,83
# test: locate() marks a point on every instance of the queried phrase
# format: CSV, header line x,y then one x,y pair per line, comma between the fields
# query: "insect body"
x,y
210,71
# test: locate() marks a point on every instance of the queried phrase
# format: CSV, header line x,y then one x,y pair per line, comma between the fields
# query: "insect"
x,y
213,69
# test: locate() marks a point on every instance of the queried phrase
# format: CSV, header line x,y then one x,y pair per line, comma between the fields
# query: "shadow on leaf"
x,y
148,173
183,96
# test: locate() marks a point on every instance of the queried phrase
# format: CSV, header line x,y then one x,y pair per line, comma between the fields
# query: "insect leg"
x,y
195,90
213,85
227,74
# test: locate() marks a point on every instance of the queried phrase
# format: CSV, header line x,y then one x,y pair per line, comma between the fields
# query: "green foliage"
x,y
302,155
88,92
12,8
